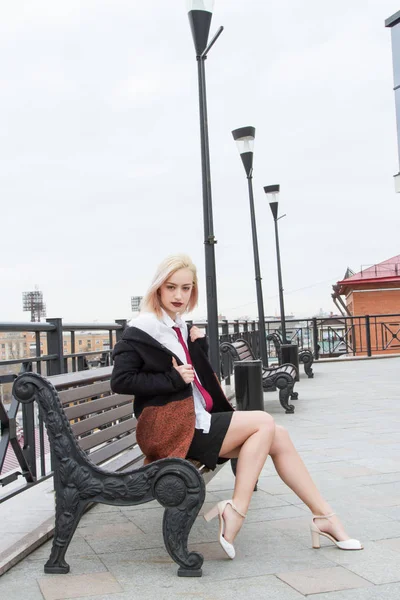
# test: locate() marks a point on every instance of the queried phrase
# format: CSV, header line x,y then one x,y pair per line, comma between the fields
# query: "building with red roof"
x,y
375,292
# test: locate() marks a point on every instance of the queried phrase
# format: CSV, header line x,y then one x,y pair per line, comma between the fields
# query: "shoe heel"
x,y
211,514
315,539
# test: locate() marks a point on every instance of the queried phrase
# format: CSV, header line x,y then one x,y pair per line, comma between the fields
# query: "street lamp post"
x,y
273,192
200,13
244,138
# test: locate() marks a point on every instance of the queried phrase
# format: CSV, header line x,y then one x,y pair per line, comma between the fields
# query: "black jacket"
x,y
163,402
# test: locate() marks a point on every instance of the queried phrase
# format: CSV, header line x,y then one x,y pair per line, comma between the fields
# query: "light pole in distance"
x,y
244,138
272,192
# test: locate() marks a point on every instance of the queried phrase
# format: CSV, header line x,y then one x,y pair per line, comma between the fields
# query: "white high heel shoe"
x,y
218,509
316,532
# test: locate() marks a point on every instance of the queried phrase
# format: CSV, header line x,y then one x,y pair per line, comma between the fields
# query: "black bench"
x,y
282,377
95,458
305,354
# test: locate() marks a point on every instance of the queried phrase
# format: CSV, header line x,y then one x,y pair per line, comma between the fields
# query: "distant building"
x,y
23,345
374,291
394,23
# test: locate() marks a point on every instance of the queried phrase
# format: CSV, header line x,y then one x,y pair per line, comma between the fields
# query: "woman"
x,y
182,412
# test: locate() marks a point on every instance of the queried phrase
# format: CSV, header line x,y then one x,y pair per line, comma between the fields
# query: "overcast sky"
x,y
100,174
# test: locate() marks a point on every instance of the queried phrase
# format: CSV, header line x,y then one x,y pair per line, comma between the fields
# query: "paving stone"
x,y
77,547
290,498
97,530
135,568
118,544
314,581
17,590
8,540
73,586
255,588
274,487
351,471
34,568
107,508
390,591
274,513
392,512
260,499
381,464
370,498
97,517
390,544
375,563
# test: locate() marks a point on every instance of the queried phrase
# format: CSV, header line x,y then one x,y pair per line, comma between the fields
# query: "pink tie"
x,y
207,398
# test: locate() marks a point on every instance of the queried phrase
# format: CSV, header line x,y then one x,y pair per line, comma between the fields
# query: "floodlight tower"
x,y
33,302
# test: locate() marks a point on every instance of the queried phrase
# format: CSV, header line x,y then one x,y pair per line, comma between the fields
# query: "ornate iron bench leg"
x,y
308,370
307,359
283,399
182,494
68,515
285,392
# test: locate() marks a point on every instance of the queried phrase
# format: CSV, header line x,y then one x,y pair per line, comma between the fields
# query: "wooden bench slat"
x,y
107,434
130,458
83,392
94,406
99,456
67,380
103,418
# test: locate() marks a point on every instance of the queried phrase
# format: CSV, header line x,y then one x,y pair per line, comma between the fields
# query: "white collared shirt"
x,y
161,330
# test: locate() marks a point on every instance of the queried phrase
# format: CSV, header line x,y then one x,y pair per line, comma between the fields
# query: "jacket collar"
x,y
139,336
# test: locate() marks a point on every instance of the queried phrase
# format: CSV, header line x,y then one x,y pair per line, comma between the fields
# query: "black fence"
x,y
22,432
24,450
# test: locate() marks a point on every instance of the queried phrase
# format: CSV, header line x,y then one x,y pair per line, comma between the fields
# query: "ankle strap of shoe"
x,y
235,508
323,516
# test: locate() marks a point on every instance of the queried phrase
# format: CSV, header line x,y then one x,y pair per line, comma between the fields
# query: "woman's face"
x,y
175,292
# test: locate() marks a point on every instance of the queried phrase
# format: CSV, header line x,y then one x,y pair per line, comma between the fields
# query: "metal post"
x,y
209,239
119,332
236,327
315,338
260,301
368,334
225,358
55,346
281,302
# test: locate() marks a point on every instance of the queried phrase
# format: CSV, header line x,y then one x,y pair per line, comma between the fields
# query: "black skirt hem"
x,y
206,447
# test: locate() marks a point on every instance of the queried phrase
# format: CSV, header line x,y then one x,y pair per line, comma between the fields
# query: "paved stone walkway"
x,y
346,426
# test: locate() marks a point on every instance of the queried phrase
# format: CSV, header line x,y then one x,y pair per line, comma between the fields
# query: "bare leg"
x,y
294,473
248,438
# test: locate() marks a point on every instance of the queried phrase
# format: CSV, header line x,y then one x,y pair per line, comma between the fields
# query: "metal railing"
x,y
30,460
366,335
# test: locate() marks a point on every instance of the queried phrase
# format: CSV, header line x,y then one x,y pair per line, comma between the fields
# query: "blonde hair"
x,y
169,266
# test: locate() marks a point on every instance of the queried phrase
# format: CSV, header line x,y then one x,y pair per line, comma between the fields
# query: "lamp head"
x,y
272,192
244,138
200,13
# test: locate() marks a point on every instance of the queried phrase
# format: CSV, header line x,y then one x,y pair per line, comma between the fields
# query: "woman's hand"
x,y
196,333
185,371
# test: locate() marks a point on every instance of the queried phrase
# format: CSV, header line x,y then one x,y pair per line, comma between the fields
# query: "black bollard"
x,y
248,385
248,390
